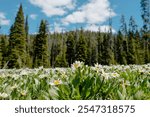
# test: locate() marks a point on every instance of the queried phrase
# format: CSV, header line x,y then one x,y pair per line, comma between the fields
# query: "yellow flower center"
x,y
56,82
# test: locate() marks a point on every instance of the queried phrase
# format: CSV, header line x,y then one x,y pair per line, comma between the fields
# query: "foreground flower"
x,y
106,75
23,73
115,75
56,82
109,75
23,93
76,65
15,86
42,76
3,95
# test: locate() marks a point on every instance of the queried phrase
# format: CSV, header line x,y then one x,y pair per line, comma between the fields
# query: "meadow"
x,y
79,82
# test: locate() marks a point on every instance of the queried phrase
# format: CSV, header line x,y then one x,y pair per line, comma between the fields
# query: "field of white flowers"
x,y
80,82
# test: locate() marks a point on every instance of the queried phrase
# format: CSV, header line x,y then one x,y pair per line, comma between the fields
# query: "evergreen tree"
x,y
28,48
146,48
61,58
121,54
81,48
27,28
55,49
131,55
99,46
41,47
123,40
53,53
107,53
139,50
123,27
132,25
70,53
145,10
89,49
0,54
17,42
4,50
0,51
94,55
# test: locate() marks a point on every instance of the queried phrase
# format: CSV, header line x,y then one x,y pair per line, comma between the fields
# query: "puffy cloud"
x,y
3,20
33,16
103,28
54,7
57,28
95,11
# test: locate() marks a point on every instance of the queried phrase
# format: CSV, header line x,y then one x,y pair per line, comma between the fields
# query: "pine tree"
x,y
131,55
28,48
53,53
99,46
145,10
17,42
27,28
123,27
61,58
0,54
146,48
123,41
4,50
81,48
70,53
132,25
41,47
121,53
89,49
107,53
94,55
0,51
55,48
139,50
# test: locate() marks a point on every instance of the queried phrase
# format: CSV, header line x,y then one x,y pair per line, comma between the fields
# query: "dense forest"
x,y
130,45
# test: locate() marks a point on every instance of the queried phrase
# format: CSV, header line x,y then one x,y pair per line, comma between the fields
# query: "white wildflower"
x,y
56,82
42,76
15,86
101,71
41,68
23,92
115,75
105,76
127,83
76,65
23,73
15,76
2,75
3,95
96,65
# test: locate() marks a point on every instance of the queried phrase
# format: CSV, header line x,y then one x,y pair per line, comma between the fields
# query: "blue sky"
x,y
70,14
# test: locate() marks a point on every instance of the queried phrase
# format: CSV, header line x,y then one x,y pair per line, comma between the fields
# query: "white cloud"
x,y
103,28
3,20
57,28
54,7
95,11
33,16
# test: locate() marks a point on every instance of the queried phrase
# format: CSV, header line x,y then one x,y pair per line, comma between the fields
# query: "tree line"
x,y
130,45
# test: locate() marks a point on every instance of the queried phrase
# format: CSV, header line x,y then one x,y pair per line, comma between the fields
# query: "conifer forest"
x,y
130,45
